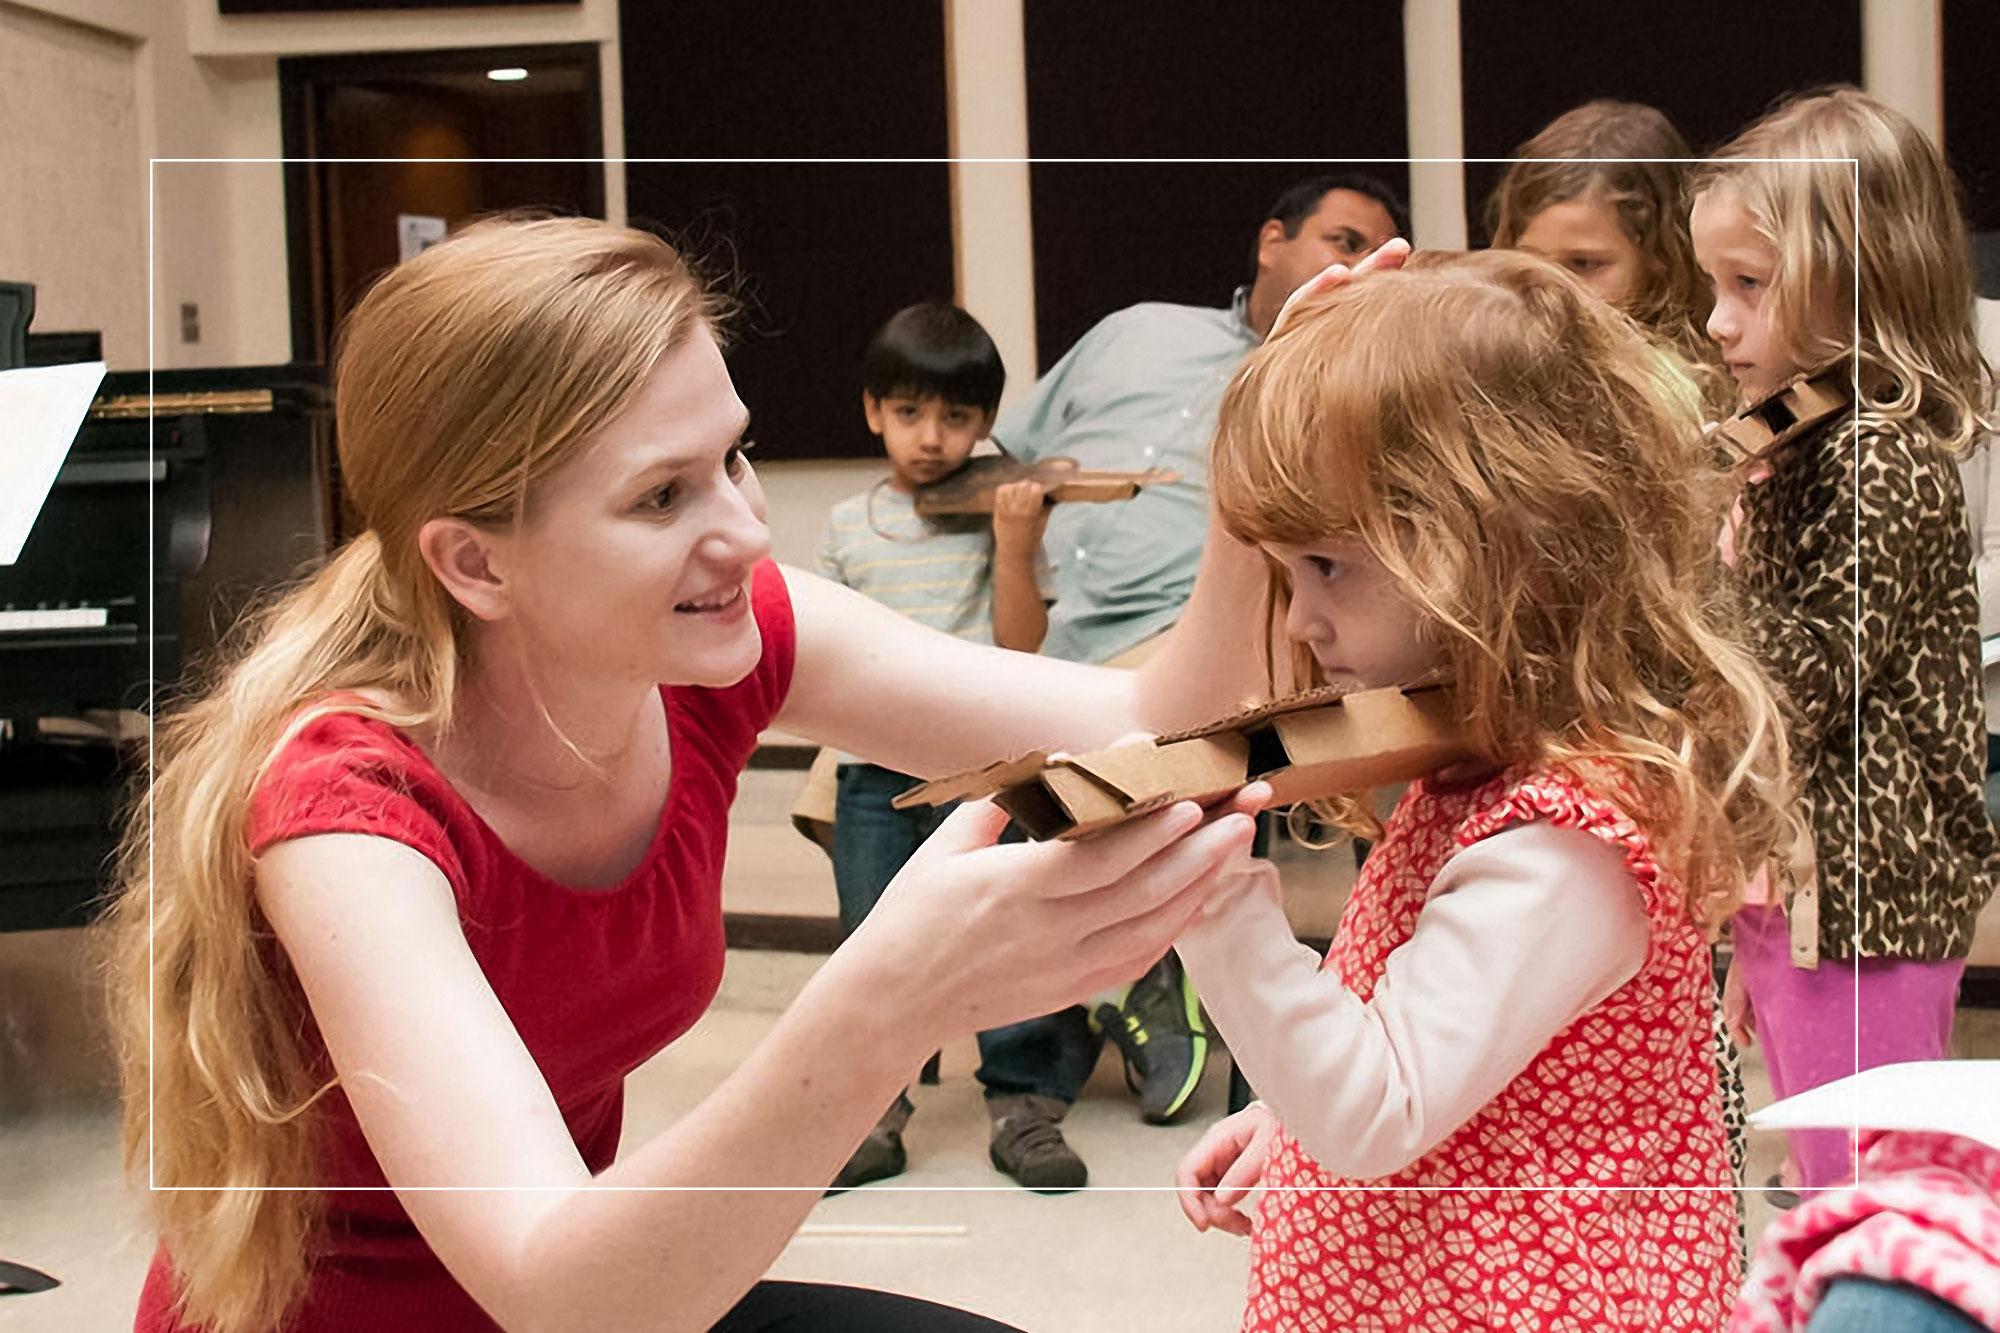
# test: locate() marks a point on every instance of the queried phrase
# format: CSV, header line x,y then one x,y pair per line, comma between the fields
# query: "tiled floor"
x,y
1115,1258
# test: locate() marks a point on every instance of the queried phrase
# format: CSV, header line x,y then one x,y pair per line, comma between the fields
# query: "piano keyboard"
x,y
43,618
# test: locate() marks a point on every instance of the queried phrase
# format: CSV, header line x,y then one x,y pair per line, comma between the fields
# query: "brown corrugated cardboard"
x,y
1309,746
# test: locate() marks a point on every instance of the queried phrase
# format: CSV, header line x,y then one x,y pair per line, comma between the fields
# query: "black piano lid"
x,y
297,386
306,376
64,349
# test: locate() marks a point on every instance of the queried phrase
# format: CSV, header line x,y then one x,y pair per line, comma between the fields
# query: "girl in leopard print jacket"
x,y
1854,565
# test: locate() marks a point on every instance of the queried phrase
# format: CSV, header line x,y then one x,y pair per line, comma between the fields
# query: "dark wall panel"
x,y
1972,123
1320,87
825,251
1711,65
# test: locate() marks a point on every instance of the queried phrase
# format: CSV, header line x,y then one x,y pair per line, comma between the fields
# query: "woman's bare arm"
x,y
873,683
463,1125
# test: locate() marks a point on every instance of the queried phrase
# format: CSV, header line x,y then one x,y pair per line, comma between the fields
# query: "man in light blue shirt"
x,y
1141,390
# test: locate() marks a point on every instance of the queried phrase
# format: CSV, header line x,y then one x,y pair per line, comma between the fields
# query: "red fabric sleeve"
x,y
771,603
350,774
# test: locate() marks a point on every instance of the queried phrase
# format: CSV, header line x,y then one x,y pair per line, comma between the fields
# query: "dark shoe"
x,y
1778,1196
879,1157
1027,1145
881,1154
1159,1032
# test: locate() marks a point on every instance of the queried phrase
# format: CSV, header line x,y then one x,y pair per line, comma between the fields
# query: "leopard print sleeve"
x,y
1856,577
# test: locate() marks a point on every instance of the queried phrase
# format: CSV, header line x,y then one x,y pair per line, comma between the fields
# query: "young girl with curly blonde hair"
x,y
1496,1103
1831,231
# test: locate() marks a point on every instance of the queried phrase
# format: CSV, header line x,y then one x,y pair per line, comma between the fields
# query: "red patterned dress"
x,y
1607,1201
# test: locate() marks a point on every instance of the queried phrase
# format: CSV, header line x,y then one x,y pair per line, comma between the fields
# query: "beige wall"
x,y
800,494
73,177
218,227
991,224
92,89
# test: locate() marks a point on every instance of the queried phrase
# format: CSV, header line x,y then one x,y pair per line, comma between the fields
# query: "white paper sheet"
x,y
41,409
1945,1096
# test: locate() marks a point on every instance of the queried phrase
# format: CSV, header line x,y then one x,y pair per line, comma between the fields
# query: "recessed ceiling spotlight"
x,y
512,74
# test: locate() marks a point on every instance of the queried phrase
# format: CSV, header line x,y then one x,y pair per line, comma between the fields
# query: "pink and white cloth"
x,y
1926,1211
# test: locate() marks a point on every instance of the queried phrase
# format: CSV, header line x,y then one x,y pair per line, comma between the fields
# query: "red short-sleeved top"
x,y
596,981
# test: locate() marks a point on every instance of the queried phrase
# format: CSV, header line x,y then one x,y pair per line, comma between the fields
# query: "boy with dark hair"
x,y
931,382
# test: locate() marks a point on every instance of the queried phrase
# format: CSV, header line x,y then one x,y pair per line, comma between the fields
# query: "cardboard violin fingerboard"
x,y
1308,747
1768,426
970,490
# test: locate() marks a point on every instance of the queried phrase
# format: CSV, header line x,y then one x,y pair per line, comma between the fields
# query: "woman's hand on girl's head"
x,y
974,935
1220,1171
1389,255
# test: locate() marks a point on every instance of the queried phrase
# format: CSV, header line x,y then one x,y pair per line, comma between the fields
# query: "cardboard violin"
x,y
970,490
1766,428
1308,746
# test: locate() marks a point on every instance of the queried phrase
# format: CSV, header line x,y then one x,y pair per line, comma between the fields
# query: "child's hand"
x,y
1390,254
1737,1016
1731,525
1222,1169
1020,515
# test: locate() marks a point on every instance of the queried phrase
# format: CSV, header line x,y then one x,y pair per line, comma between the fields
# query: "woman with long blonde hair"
x,y
1496,1105
435,859
1831,232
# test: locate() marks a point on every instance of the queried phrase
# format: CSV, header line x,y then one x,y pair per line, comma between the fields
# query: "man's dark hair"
x,y
934,350
1301,200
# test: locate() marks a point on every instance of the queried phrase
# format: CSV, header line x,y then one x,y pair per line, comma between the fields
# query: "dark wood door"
x,y
426,135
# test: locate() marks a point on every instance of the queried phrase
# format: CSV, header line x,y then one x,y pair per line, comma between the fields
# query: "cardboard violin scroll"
x,y
970,489
1770,424
1310,746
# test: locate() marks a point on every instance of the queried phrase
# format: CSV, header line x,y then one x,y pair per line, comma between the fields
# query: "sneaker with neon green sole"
x,y
1159,1032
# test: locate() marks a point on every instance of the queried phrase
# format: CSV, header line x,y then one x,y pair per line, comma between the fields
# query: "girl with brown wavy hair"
x,y
1497,1103
1601,191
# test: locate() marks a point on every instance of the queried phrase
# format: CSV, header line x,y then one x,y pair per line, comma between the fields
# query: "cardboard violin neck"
x,y
971,489
1311,746
1773,423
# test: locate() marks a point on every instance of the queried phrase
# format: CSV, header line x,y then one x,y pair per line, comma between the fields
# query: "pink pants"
x,y
1806,1023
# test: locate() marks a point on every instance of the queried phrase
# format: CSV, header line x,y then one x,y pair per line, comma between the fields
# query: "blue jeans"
x,y
1863,1305
872,839
1051,1056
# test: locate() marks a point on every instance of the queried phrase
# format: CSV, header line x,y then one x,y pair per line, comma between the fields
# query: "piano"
x,y
175,509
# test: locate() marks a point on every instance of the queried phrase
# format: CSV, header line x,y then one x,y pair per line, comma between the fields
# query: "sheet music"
x,y
1944,1096
41,409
